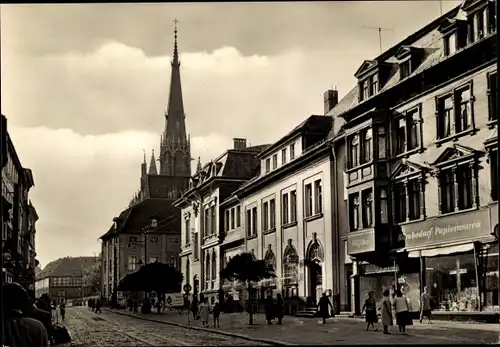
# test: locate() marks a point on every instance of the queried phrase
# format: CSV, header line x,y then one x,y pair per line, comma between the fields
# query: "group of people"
x,y
204,310
398,303
27,323
94,305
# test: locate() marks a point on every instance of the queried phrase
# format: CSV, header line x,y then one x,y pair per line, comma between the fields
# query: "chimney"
x,y
240,144
331,99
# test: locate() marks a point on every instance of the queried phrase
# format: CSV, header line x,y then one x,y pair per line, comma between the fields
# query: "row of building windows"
x,y
458,191
284,158
66,281
479,25
133,262
454,114
313,205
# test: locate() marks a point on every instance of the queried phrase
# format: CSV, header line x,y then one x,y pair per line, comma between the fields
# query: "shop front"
x,y
458,258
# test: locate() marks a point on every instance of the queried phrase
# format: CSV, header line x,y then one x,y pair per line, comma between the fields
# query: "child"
x,y
204,312
216,313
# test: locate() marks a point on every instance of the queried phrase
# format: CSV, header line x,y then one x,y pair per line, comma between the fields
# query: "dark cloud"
x,y
252,28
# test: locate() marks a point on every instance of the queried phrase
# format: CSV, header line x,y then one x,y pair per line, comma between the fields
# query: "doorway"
x,y
315,281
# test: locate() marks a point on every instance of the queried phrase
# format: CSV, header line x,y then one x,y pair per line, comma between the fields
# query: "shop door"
x,y
316,281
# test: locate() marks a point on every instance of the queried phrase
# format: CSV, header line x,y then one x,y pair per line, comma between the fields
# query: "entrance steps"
x,y
307,312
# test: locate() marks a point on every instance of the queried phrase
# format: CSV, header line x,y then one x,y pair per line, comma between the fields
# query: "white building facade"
x,y
202,227
286,214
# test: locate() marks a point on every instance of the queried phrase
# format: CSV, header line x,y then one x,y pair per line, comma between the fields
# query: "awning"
x,y
440,251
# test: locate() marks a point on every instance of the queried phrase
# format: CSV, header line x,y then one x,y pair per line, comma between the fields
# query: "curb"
x,y
220,332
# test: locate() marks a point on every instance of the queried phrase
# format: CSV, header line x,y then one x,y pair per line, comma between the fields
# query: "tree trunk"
x,y
250,303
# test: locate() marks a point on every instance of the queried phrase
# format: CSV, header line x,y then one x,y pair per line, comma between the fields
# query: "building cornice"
x,y
288,169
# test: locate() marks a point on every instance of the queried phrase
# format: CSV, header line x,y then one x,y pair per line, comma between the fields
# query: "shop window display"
x,y
376,283
409,284
452,282
489,295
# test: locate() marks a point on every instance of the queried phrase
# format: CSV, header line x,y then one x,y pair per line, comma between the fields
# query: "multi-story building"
x,y
202,229
146,232
17,231
286,212
62,278
421,165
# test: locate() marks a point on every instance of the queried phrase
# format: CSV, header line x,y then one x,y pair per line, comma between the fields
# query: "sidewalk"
x,y
337,330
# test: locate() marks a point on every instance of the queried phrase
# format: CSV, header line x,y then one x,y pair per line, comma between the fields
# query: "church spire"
x,y
175,156
198,166
176,50
152,164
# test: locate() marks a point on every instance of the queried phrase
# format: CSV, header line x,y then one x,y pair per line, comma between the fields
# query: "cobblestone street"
x,y
111,329
340,330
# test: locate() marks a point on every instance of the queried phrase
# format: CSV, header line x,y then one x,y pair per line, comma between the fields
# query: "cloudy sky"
x,y
85,87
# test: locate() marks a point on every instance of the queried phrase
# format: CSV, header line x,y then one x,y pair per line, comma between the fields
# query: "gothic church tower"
x,y
175,149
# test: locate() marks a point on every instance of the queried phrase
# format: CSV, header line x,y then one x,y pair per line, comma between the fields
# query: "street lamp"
x,y
153,223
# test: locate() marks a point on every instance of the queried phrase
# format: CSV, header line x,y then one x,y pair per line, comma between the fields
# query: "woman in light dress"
x,y
386,312
403,317
205,312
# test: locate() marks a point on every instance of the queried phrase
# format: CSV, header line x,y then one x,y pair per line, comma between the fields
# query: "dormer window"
x,y
268,165
368,87
450,44
454,35
373,84
405,69
153,222
480,19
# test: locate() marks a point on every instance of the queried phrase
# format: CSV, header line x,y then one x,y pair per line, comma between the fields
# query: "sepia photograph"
x,y
249,173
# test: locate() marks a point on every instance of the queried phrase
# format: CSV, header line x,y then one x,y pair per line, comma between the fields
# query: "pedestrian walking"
x,y
370,308
135,304
18,329
216,313
425,306
130,304
323,307
194,308
269,308
62,309
403,317
279,308
98,306
204,312
386,312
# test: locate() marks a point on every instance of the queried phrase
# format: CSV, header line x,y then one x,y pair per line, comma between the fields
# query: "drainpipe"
x,y
336,242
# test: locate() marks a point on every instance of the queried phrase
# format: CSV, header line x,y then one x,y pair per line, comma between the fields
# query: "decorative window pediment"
x,y
367,66
469,6
455,153
451,24
407,168
405,51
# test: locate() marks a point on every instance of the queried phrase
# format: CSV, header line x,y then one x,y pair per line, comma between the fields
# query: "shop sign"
x,y
446,229
370,269
361,242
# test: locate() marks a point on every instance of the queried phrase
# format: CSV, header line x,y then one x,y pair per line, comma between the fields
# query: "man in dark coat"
x,y
269,309
279,308
323,306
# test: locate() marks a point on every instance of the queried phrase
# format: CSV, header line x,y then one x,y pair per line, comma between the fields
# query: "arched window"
x,y
290,264
315,252
270,258
188,270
